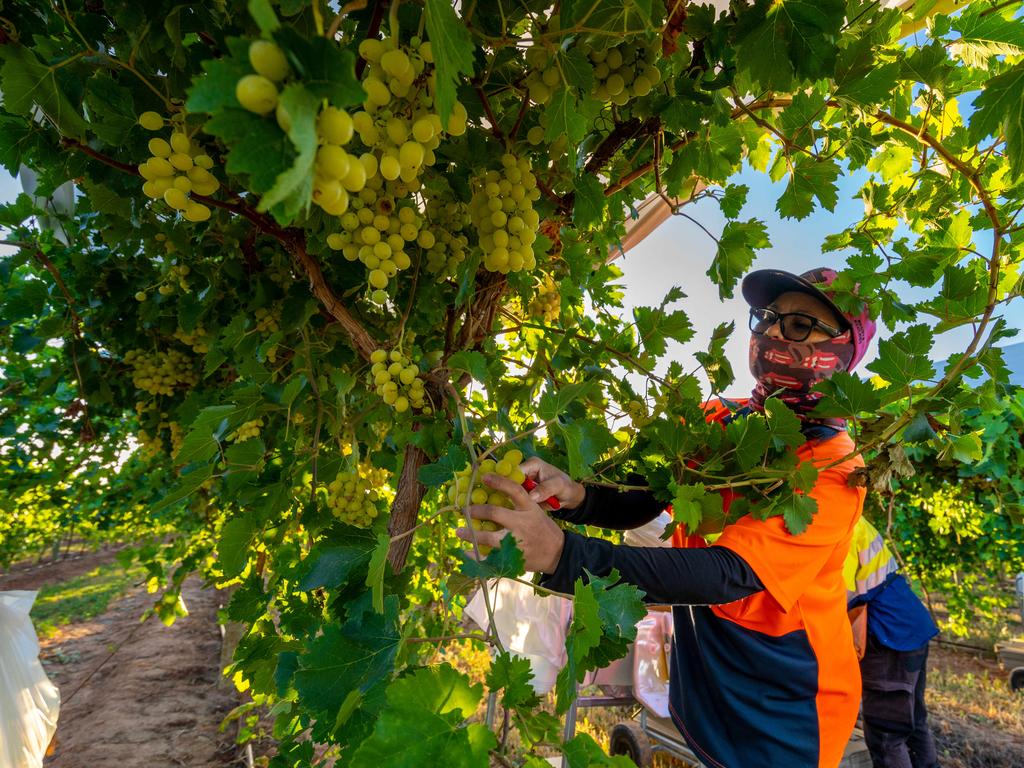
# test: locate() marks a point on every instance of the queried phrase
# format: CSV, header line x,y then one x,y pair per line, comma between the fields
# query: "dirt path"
x,y
156,702
34,575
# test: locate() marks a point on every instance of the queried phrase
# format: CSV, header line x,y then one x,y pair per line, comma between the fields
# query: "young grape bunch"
x,y
160,373
444,238
547,302
625,70
461,494
396,379
544,77
197,339
354,495
176,169
502,210
246,431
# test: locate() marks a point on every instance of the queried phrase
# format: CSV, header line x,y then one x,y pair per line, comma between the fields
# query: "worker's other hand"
x,y
537,535
551,481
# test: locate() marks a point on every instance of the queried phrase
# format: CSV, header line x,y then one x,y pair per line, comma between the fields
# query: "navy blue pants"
x,y
895,718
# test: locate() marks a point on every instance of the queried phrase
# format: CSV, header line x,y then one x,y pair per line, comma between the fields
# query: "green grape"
x,y
246,431
502,210
268,60
151,121
398,382
256,94
547,302
460,493
354,496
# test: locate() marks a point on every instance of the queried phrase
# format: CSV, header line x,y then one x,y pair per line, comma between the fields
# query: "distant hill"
x,y
1014,356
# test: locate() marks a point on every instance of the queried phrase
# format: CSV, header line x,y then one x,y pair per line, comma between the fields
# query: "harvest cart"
x,y
1011,656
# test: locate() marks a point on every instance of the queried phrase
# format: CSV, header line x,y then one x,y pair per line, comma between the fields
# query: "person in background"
x,y
895,654
763,672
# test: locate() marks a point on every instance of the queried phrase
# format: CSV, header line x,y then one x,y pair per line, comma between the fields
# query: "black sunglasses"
x,y
795,326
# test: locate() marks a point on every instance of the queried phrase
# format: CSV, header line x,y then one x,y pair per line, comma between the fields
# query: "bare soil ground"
x,y
156,700
33,575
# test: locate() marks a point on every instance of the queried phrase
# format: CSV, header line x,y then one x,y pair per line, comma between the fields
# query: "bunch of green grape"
x,y
268,319
461,494
444,238
258,93
398,122
376,232
547,302
246,431
197,339
625,70
544,77
502,211
160,373
177,168
396,379
353,495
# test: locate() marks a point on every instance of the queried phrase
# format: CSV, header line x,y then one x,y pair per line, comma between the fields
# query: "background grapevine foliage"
x,y
318,262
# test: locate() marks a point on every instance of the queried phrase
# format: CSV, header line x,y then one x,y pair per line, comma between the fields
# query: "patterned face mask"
x,y
788,369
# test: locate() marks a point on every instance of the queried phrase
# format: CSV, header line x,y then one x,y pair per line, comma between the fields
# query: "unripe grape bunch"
x,y
502,210
547,302
544,77
396,379
444,239
460,493
625,70
246,431
197,339
354,495
160,373
176,169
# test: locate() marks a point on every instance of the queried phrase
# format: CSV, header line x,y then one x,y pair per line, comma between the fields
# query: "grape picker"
x,y
764,671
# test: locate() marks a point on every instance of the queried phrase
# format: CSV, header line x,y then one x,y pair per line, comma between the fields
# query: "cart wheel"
x,y
629,739
1017,679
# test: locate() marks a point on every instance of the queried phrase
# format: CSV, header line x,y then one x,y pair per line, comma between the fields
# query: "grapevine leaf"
x,y
583,752
554,402
589,203
259,148
783,424
565,117
377,570
423,723
444,469
735,253
620,16
966,448
797,511
111,109
903,357
583,636
470,361
504,561
750,438
688,504
715,362
845,396
1000,113
656,325
334,564
263,14
512,674
294,187
585,443
326,71
358,656
215,90
810,179
919,430
188,484
576,67
28,84
453,52
733,200
233,546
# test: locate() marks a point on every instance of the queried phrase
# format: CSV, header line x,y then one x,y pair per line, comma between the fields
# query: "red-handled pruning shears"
x,y
551,501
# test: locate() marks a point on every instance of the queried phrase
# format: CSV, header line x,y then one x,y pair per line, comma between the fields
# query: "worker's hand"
x,y
537,535
551,481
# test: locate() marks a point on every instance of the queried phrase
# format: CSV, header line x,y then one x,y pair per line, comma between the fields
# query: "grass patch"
x,y
81,598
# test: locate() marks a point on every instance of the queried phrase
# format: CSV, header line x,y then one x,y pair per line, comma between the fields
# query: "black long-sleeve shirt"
x,y
705,576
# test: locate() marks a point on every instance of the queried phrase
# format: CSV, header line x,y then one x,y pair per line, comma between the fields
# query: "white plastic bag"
x,y
29,702
528,625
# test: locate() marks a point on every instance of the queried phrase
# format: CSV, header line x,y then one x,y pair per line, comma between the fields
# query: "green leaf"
x,y
233,546
377,570
845,396
453,52
750,439
733,200
294,187
259,149
984,35
735,253
1000,114
203,440
263,14
215,90
966,448
583,752
245,455
470,361
111,109
326,70
783,424
444,469
513,674
565,117
554,402
27,83
715,363
656,325
809,179
588,208
797,511
335,563
358,656
504,561
903,357
691,504
585,442
423,723
186,486
576,67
